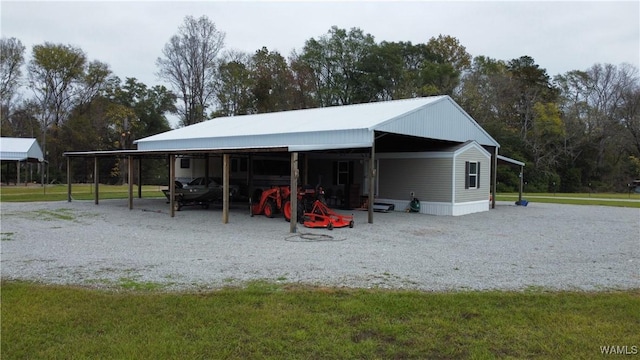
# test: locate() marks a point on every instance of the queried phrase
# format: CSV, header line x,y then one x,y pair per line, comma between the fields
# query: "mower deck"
x,y
323,217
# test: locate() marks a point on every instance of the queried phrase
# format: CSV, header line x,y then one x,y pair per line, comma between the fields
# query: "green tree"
x,y
149,105
56,73
383,76
304,85
446,60
545,138
272,82
233,85
335,60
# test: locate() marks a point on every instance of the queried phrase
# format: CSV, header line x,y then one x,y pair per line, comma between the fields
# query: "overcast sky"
x,y
129,36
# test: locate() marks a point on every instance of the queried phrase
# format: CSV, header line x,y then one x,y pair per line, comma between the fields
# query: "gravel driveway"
x,y
541,246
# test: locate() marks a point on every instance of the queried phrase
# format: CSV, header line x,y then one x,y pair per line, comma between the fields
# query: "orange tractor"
x,y
271,201
312,211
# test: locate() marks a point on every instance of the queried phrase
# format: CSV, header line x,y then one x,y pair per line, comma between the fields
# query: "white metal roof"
x,y
510,160
350,126
20,149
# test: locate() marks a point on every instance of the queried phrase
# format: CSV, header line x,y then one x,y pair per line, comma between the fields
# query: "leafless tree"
x,y
189,65
11,59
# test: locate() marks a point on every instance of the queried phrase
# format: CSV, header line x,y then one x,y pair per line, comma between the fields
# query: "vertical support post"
x,y
521,184
42,170
96,174
494,176
130,180
225,187
172,184
139,178
68,178
293,198
17,173
372,184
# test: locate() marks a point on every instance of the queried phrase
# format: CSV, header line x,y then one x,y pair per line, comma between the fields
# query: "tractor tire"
x,y
269,209
286,210
330,226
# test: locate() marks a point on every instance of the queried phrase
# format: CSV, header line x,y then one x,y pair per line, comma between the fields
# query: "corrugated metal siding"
x,y
440,120
482,193
437,117
353,136
429,179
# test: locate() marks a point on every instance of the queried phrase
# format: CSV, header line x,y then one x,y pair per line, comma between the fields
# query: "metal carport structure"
x,y
339,128
20,150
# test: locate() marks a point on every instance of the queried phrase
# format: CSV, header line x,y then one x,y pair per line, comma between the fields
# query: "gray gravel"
x,y
541,246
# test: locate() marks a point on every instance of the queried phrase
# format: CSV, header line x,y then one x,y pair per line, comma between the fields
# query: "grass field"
x,y
275,321
603,199
78,192
86,192
269,321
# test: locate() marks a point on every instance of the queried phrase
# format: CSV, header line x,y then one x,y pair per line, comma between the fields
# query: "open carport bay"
x,y
542,246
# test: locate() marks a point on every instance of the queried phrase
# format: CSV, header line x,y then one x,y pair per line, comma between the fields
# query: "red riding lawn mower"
x,y
312,210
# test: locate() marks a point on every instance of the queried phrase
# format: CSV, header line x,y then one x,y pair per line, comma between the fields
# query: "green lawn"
x,y
86,192
78,192
272,321
604,199
265,320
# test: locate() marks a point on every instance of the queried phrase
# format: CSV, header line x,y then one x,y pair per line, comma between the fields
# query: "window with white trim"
x,y
472,175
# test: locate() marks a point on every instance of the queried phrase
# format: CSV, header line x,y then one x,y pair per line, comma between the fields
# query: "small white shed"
x,y
20,151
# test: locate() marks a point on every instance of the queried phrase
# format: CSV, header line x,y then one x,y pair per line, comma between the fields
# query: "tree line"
x,y
578,131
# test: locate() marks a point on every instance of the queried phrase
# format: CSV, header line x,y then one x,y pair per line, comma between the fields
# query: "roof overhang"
x,y
510,160
161,152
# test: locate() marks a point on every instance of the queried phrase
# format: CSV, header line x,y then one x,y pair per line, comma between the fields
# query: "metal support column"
x,y
225,187
68,178
293,199
521,184
172,184
372,177
139,178
130,180
494,176
96,175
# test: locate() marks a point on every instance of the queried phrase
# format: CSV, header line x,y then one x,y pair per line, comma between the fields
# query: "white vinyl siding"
x,y
465,160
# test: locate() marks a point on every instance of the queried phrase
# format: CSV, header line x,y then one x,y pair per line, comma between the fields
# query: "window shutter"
x,y
478,177
466,174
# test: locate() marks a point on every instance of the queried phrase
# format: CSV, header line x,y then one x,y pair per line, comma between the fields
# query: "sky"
x,y
130,35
